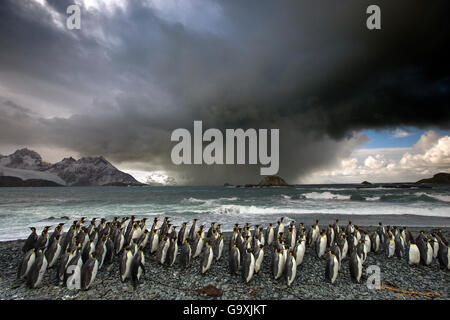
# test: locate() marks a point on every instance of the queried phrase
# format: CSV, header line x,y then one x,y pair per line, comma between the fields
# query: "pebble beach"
x,y
175,283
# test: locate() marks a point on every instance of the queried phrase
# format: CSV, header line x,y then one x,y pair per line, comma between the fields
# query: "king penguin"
x,y
259,256
26,264
53,252
299,250
321,244
207,258
277,264
290,268
172,252
413,253
30,243
125,265
332,267
37,270
185,255
355,265
269,234
234,259
89,272
218,247
137,266
154,241
248,266
444,256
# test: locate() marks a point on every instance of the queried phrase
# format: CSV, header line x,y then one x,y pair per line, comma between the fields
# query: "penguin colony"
x,y
88,247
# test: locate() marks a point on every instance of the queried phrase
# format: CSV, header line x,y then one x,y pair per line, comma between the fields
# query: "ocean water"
x,y
21,208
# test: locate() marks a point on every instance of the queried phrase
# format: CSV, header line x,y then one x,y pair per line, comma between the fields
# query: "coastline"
x,y
174,283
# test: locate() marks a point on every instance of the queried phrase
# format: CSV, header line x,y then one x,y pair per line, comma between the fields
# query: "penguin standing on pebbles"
x,y
37,270
390,245
248,266
299,251
30,243
332,267
172,252
63,263
277,264
259,256
53,252
207,258
182,234
444,256
137,266
154,241
89,272
161,253
413,254
218,247
269,234
355,265
321,244
290,268
186,252
234,259
375,241
26,264
125,265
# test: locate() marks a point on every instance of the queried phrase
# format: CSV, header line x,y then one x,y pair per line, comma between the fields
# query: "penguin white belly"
x,y
251,269
30,264
94,273
154,244
283,259
414,255
323,246
448,259
55,257
164,252
359,272
41,272
367,243
293,271
391,249
335,269
128,266
429,254
344,250
270,237
300,253
220,249
314,235
435,249
208,263
280,266
259,260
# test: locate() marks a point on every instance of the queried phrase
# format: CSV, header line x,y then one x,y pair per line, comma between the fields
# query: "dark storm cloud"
x,y
309,68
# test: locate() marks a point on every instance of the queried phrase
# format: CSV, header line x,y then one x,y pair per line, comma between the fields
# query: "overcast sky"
x,y
137,70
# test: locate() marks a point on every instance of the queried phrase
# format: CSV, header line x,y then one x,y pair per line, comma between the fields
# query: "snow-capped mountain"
x,y
24,159
87,171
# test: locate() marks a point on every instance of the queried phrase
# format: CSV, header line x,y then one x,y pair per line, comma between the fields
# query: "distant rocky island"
x,y
25,168
441,177
269,181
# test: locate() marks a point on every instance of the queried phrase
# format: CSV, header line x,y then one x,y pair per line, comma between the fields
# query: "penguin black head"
x,y
33,229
